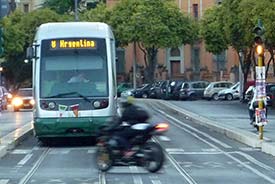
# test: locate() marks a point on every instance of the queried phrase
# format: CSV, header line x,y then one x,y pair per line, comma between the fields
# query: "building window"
x,y
175,52
196,11
220,60
26,8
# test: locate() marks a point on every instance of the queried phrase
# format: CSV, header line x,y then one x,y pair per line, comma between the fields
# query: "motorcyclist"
x,y
131,114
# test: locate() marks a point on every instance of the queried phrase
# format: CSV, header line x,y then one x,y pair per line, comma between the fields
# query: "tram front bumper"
x,y
68,127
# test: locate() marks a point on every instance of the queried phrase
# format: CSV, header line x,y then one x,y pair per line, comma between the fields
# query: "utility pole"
x,y
135,66
260,112
75,11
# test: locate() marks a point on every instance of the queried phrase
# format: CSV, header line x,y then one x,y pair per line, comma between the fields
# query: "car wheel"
x,y
215,97
144,95
229,97
193,97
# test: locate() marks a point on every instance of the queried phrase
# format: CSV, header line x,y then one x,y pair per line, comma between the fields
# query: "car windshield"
x,y
25,92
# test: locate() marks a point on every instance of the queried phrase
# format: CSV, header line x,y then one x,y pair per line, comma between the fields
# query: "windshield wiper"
x,y
70,93
61,95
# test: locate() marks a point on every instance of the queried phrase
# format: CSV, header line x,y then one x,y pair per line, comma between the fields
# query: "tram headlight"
x,y
99,104
96,104
32,102
51,105
17,101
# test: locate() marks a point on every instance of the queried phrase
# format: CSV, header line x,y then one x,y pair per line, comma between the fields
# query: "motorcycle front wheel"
x,y
103,158
153,156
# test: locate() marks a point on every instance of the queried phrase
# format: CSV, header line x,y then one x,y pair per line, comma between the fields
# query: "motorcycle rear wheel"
x,y
103,159
153,156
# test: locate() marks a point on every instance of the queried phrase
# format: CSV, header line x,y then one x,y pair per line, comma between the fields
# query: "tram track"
x,y
212,142
35,167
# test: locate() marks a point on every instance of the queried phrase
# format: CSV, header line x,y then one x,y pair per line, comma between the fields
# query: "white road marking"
x,y
25,159
256,162
4,181
267,178
164,138
156,181
197,131
125,169
21,151
174,150
137,178
91,151
59,151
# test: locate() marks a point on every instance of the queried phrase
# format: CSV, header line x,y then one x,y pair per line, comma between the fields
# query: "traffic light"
x,y
1,41
259,31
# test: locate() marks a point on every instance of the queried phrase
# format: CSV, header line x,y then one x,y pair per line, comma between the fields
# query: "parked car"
x,y
143,91
122,87
212,90
155,90
167,89
23,99
270,93
230,94
192,90
128,92
176,91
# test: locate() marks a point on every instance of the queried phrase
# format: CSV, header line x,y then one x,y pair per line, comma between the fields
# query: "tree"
x,y
99,14
153,25
212,30
60,6
230,27
19,34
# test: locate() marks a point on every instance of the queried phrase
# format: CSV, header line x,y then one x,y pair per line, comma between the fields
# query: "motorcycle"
x,y
146,153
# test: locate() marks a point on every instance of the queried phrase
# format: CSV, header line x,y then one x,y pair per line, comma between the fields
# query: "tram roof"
x,y
73,29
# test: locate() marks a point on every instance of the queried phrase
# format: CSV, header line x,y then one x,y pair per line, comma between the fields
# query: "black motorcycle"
x,y
146,153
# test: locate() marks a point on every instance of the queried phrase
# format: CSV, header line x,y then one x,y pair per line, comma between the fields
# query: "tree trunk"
x,y
149,73
246,67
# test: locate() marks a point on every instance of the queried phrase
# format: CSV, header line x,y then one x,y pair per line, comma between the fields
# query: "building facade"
x,y
189,62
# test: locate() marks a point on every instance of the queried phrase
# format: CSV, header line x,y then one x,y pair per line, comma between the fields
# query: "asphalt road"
x,y
193,155
10,121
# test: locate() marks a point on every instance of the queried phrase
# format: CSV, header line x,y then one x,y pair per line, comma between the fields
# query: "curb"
x,y
248,138
9,141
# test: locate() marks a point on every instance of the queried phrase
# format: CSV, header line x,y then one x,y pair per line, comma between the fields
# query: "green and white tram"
x,y
74,78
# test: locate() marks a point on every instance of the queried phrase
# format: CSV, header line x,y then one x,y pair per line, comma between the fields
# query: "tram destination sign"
x,y
58,44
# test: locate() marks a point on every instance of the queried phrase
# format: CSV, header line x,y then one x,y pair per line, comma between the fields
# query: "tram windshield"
x,y
78,70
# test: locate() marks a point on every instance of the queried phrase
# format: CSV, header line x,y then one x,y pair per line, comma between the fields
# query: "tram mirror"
x,y
116,59
30,53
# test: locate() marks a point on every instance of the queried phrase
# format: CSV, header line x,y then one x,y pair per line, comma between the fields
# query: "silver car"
x,y
231,93
212,90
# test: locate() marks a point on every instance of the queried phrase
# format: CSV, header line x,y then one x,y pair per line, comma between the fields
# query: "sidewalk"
x,y
229,119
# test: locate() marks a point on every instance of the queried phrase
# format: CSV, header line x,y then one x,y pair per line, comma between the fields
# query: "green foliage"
x,y
19,34
60,6
34,19
212,30
1,41
156,23
99,14
153,25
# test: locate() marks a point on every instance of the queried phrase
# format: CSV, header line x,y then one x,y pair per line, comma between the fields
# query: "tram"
x,y
74,79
